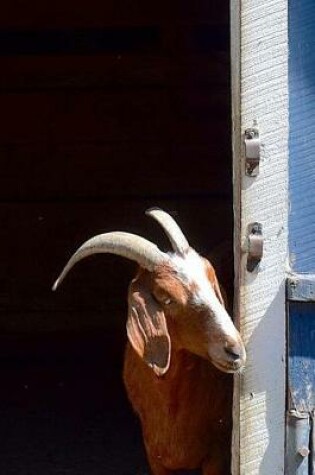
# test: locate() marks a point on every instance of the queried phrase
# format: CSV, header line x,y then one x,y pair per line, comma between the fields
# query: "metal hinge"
x,y
252,151
300,443
255,246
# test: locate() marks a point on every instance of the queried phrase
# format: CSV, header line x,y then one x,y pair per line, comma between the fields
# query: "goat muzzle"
x,y
231,358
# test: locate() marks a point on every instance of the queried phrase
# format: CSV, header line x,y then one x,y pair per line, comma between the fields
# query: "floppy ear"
x,y
147,329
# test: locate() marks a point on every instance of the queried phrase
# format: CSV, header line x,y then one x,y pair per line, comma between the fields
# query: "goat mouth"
x,y
233,368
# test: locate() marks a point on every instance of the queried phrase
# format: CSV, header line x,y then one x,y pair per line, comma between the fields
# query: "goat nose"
x,y
233,351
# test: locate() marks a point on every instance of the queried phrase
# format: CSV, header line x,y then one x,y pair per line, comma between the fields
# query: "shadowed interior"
x,y
109,109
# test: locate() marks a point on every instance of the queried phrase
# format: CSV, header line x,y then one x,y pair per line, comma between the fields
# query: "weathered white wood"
x,y
235,16
260,90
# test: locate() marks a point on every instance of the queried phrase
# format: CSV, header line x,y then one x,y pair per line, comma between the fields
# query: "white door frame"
x,y
259,45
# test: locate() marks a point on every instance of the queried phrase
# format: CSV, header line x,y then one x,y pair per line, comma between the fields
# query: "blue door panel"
x,y
302,134
301,356
300,435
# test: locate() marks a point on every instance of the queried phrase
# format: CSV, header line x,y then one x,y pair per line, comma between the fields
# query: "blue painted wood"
x,y
313,444
301,288
301,356
302,134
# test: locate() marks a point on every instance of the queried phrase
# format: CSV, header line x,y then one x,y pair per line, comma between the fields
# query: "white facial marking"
x,y
191,269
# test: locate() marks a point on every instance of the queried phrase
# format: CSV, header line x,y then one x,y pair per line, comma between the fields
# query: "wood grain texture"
x,y
263,58
302,136
235,18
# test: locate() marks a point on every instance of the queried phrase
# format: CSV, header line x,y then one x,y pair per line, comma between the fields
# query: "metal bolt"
x,y
250,134
304,451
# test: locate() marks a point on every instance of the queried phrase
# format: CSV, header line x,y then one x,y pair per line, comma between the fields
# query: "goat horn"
x,y
131,246
171,228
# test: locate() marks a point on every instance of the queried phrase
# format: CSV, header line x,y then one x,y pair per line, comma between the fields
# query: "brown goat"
x,y
177,325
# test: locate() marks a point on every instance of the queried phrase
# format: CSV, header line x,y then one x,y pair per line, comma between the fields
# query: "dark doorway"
x,y
108,108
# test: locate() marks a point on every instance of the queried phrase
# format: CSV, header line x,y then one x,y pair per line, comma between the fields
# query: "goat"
x,y
182,343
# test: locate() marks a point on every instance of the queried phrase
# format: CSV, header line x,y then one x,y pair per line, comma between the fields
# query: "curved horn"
x,y
127,245
171,228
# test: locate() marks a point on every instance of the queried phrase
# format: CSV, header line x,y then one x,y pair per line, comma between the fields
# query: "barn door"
x,y
301,284
259,31
300,455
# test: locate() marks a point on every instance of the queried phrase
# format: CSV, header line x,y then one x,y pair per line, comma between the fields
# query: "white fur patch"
x,y
191,269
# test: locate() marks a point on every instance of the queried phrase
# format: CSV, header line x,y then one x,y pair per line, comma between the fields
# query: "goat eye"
x,y
162,297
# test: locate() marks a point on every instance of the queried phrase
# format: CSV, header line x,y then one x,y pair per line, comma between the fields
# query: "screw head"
x,y
304,451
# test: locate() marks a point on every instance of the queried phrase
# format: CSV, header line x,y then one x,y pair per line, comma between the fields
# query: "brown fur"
x,y
185,411
185,415
177,326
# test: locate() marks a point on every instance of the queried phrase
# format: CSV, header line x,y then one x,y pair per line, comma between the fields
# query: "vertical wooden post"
x,y
260,94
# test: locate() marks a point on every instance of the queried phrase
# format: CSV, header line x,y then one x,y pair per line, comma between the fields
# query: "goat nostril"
x,y
233,352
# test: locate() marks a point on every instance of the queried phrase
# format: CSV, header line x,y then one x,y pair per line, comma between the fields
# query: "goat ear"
x,y
147,329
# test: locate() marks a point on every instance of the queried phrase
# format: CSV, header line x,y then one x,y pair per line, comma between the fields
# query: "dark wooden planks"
x,y
93,171
38,14
93,115
90,144
80,40
67,41
110,115
30,73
